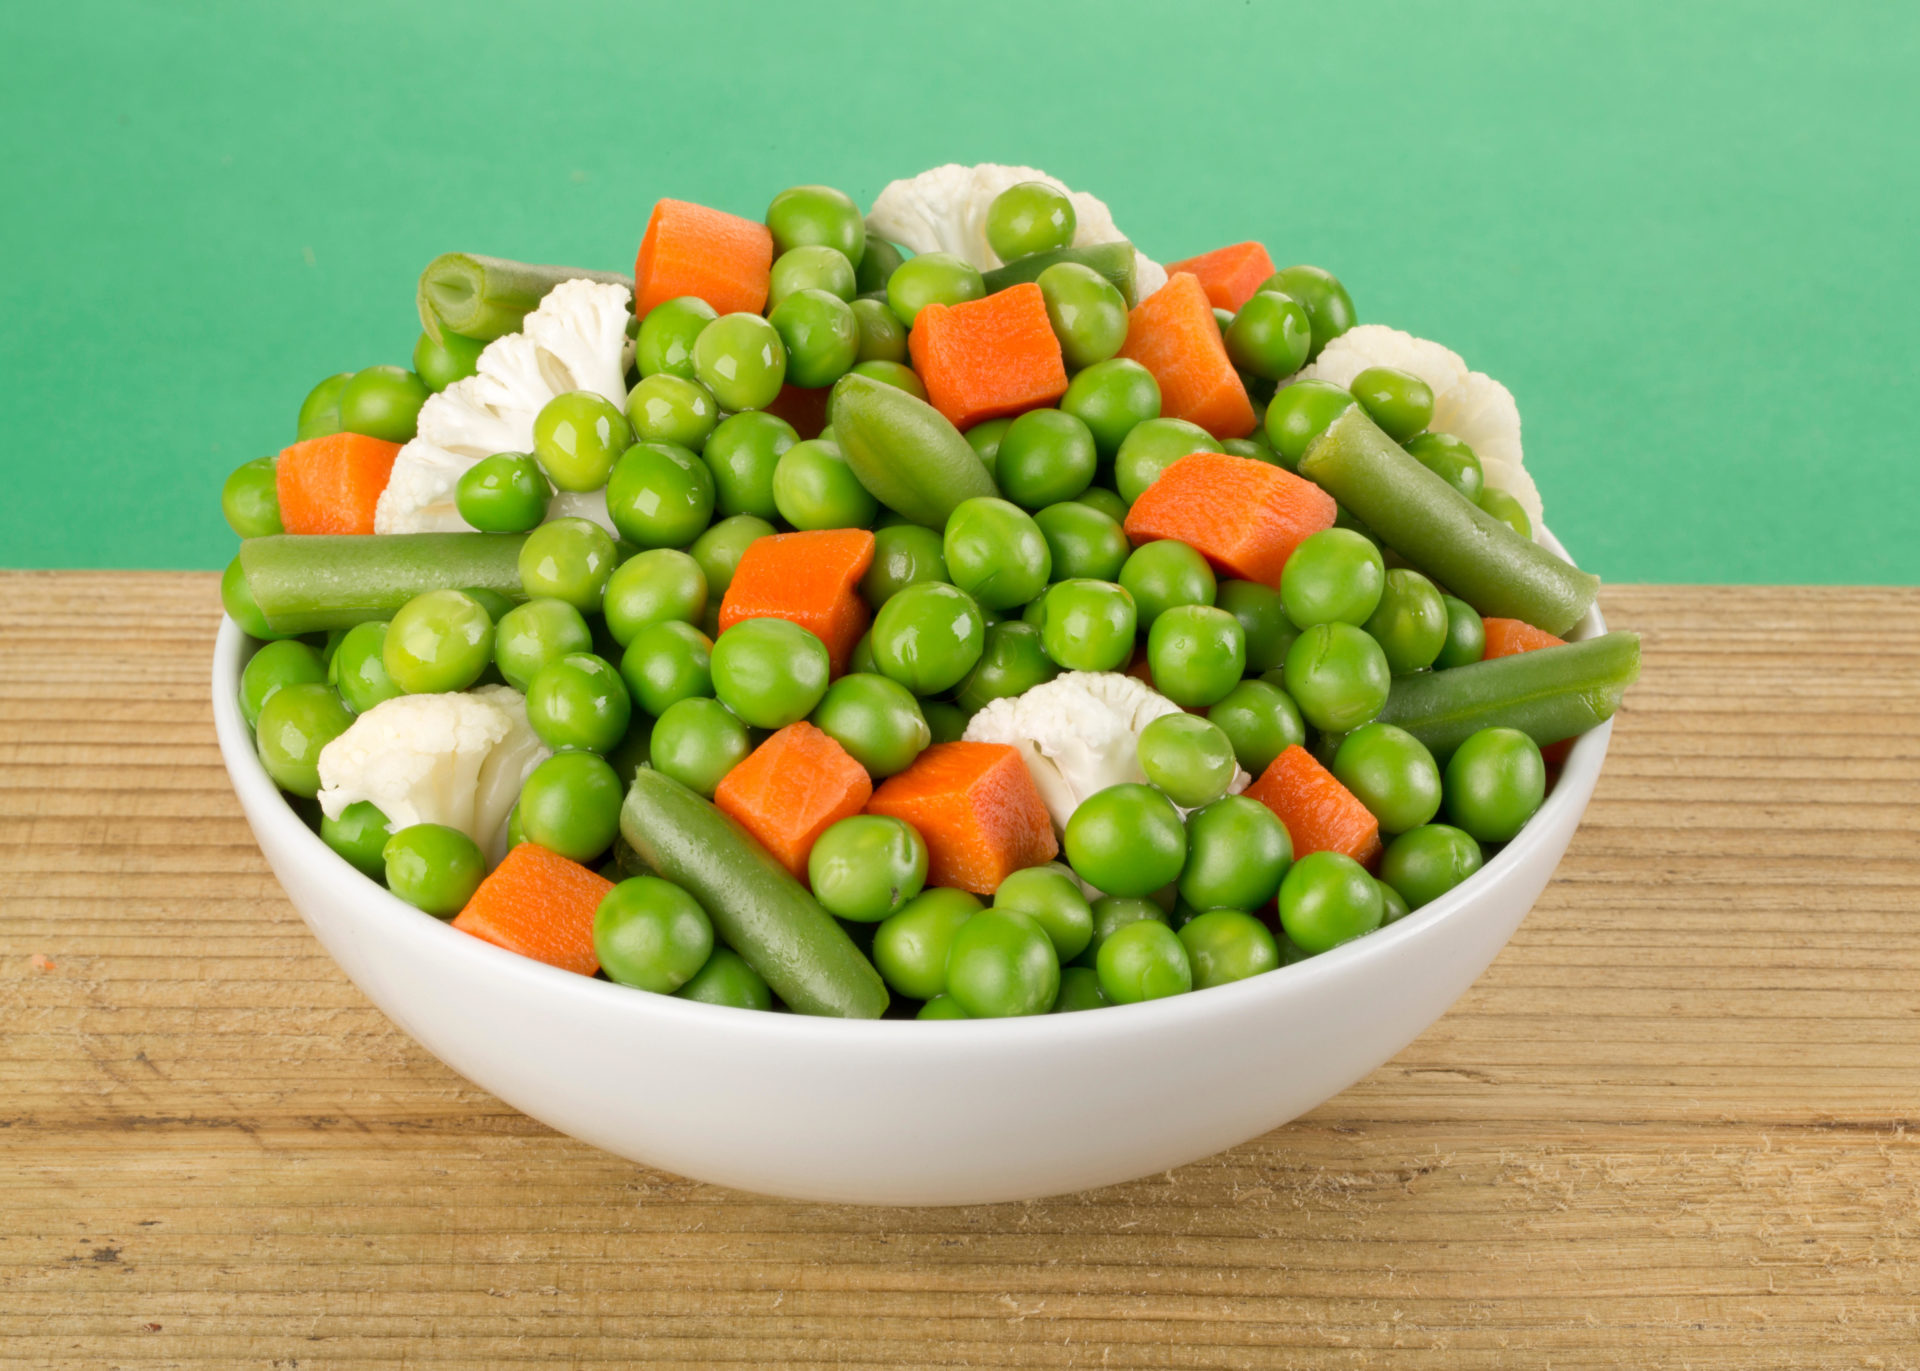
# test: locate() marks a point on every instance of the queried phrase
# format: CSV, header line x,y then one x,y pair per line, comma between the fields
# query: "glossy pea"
x,y
438,641
1424,863
453,358
578,436
1333,576
660,495
1237,853
1338,676
903,555
1049,895
1112,913
579,703
1087,312
571,805
946,721
1329,308
1079,989
250,499
1045,456
931,278
1197,654
1451,460
895,374
652,587
358,669
805,216
996,553
1466,635
941,1007
1270,336
1391,773
664,345
1089,625
1261,721
1001,964
274,666
1112,398
1012,661
911,947
1143,961
666,663
1126,840
320,411
697,741
1400,402
815,488
295,723
1410,623
876,266
1496,781
883,338
1227,945
1085,542
1507,510
928,637
740,358
821,335
1263,617
742,453
505,493
1152,447
1301,413
865,868
726,979
665,408
434,868
1029,217
360,836
1189,758
529,636
876,720
569,559
383,402
811,266
1327,898
652,935
1165,573
769,671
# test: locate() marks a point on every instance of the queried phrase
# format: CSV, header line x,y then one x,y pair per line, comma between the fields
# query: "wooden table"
x,y
1670,1127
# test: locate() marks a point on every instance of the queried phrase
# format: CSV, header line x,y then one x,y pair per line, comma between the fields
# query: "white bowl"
x,y
899,1111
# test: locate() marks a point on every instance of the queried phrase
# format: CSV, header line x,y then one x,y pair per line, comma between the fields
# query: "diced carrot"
x,y
791,789
806,410
807,579
1229,275
978,809
541,905
990,357
1244,516
692,250
1173,334
1321,815
1505,637
332,484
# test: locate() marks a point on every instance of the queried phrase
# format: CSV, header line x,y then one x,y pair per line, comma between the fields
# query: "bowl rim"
x,y
263,802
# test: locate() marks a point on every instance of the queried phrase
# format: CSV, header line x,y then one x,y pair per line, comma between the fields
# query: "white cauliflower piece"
x,y
431,759
419,496
1470,405
581,328
945,210
1078,734
582,504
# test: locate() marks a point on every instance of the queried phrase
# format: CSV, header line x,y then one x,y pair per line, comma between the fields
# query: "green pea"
x,y
815,488
876,720
867,867
996,553
358,668
903,555
927,637
1400,402
883,338
295,723
1108,502
651,934
1084,542
1327,899
665,342
1227,945
434,868
1270,336
1390,772
876,266
769,671
383,402
1451,460
1112,398
1197,654
453,358
1338,676
910,949
1190,758
932,278
1110,915
359,835
812,266
1127,840
740,358
1263,618
1079,989
664,408
320,411
1143,961
1001,964
1496,781
666,663
578,436
1165,573
1013,661
1333,576
1396,907
821,335
579,703
1261,721
941,1007
660,495
1044,457
1329,308
1410,623
438,641
1152,447
653,587
1507,510
1087,311
891,374
571,805
274,666
1089,625
1466,635
237,600
1049,896
250,499
946,721
697,741
494,602
531,635
504,493
1027,218
718,551
1424,863
742,452
1237,853
727,979
805,216
569,559
1301,413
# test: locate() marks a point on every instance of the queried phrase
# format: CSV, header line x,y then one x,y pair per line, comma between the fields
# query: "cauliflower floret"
x,y
1470,405
419,493
1078,734
460,420
945,210
454,759
582,327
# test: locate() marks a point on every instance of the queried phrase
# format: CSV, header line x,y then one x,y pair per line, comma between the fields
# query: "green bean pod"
x,y
1450,539
904,451
1548,694
1115,261
304,582
489,297
756,905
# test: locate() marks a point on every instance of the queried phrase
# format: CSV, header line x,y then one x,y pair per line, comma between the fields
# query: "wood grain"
x,y
1673,1125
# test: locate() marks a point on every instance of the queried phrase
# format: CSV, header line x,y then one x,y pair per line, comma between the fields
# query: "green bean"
x,y
1115,261
1425,520
489,297
1548,694
308,582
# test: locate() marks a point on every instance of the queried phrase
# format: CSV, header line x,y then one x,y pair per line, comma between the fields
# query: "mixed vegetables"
x,y
945,610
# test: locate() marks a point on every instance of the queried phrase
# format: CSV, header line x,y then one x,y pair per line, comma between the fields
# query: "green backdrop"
x,y
1682,234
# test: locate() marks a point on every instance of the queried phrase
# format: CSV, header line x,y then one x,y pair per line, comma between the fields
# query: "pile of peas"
x,y
617,651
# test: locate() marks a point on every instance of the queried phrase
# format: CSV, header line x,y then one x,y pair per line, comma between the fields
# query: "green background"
x,y
1682,234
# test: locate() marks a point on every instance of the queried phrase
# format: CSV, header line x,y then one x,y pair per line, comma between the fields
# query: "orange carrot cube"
x,y
976,806
692,250
1321,815
806,578
1173,334
541,905
1505,637
1244,516
332,484
791,789
1229,275
987,358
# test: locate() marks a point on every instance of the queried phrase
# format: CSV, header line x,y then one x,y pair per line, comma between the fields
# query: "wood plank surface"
x,y
1674,1126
